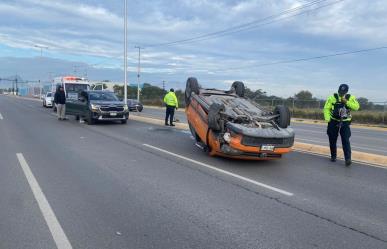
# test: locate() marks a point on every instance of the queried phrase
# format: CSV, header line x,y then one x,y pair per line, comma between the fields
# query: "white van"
x,y
72,86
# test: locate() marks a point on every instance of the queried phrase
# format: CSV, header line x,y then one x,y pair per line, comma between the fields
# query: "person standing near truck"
x,y
337,112
60,101
171,103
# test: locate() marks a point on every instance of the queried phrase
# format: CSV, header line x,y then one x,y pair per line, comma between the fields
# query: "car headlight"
x,y
125,107
95,107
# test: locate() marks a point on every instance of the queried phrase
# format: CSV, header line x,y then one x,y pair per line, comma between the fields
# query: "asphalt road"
x,y
365,140
145,186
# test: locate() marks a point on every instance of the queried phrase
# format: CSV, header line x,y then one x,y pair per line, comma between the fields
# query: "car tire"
x,y
125,121
90,120
77,117
239,88
139,110
193,133
283,120
44,105
192,86
215,122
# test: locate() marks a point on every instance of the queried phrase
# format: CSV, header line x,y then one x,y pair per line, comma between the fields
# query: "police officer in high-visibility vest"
x,y
337,112
171,103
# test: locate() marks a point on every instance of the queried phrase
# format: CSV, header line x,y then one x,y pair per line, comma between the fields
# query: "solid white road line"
x,y
1,117
56,230
221,171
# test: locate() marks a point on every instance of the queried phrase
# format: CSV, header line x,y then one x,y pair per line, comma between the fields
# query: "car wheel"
x,y
214,119
191,86
44,105
283,120
139,109
193,133
124,121
239,88
77,117
90,120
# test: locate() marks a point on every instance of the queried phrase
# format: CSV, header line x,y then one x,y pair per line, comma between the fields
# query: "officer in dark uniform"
x,y
337,112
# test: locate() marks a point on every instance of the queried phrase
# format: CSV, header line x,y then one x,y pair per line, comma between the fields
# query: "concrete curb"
x,y
357,156
180,126
162,108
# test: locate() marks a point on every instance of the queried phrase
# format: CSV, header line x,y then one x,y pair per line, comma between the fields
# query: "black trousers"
x,y
170,112
333,131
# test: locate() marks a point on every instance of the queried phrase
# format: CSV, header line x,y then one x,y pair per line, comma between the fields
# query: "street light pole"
x,y
41,55
41,49
138,72
125,52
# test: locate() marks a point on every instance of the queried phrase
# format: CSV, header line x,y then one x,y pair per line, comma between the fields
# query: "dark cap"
x,y
343,89
171,90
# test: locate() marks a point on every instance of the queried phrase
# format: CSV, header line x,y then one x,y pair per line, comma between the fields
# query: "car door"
x,y
70,105
83,107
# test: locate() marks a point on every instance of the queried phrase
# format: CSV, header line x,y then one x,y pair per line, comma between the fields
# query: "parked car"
x,y
48,100
227,124
97,105
135,105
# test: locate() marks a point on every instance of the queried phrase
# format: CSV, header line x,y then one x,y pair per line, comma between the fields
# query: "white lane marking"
x,y
56,230
1,117
221,171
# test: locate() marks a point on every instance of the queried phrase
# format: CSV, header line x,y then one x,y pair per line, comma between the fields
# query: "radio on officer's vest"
x,y
340,111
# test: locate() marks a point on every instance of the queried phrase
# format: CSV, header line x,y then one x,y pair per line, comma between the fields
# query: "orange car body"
x,y
242,143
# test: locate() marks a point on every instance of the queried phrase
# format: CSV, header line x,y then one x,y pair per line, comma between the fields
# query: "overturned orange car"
x,y
225,123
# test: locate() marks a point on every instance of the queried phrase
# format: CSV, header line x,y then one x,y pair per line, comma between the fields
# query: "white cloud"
x,y
84,30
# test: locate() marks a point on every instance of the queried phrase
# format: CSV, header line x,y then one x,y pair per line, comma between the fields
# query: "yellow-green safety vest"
x,y
352,104
171,100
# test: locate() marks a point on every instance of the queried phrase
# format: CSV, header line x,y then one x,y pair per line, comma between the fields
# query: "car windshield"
x,y
104,96
49,94
76,87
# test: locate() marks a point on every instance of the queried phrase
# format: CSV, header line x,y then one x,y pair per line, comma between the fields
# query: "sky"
x,y
87,38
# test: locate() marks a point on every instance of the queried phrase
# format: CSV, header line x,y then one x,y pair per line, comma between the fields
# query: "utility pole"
x,y
17,89
138,72
40,89
13,87
164,85
41,56
41,49
125,52
75,70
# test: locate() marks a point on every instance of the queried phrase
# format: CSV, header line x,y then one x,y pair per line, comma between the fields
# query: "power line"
x,y
307,59
250,25
268,22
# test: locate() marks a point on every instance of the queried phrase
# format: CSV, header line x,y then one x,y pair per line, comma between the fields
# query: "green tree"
x,y
365,104
303,95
